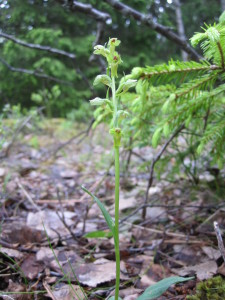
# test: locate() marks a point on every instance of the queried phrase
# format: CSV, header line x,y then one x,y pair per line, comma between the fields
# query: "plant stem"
x,y
116,237
114,102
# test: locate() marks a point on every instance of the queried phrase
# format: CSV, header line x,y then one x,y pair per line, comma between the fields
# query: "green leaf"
x,y
156,137
166,130
113,298
166,106
160,287
105,213
104,79
98,101
98,234
36,98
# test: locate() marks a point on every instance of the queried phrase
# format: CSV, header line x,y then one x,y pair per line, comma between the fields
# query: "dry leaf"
x,y
203,271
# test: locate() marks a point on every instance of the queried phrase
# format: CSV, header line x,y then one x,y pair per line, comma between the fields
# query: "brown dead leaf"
x,y
93,274
67,292
203,271
211,252
51,222
125,204
16,232
12,252
221,269
18,288
31,267
130,293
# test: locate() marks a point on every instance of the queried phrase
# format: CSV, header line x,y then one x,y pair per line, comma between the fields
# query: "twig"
x,y
154,161
162,232
35,73
221,54
17,131
170,207
48,289
206,119
83,133
139,156
27,195
37,46
219,239
4,296
148,20
98,40
129,155
62,218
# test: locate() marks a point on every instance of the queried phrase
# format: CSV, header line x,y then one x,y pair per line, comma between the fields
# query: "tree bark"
x,y
180,27
222,5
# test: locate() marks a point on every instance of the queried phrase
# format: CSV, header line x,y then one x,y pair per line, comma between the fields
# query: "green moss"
x,y
212,289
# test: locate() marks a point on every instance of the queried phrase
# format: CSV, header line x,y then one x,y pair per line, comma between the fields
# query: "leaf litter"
x,y
43,207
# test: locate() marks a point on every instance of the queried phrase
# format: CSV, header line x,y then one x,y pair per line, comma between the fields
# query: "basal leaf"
x,y
98,234
160,287
105,213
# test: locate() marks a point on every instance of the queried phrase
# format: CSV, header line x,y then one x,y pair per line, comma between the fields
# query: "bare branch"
x,y
34,73
37,46
87,9
148,21
154,161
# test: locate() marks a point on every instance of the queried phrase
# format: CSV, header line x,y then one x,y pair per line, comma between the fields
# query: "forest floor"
x,y
47,222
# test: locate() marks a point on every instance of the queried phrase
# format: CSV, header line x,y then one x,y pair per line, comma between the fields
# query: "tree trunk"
x,y
180,26
222,5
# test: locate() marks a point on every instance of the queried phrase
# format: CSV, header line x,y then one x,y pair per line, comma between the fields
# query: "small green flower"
x,y
101,50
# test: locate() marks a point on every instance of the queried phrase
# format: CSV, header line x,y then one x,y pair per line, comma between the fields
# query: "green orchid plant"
x,y
110,106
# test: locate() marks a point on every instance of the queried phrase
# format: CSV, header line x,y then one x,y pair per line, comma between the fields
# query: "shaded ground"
x,y
43,207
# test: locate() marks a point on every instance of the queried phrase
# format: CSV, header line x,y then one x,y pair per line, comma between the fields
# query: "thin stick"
x,y
154,161
219,239
27,195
